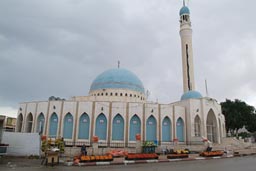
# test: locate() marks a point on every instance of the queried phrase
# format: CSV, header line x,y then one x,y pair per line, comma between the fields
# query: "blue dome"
x,y
184,10
118,78
191,95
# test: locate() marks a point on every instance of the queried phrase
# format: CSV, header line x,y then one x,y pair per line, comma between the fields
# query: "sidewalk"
x,y
163,158
12,162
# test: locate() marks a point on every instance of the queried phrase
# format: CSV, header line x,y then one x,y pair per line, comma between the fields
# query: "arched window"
x,y
40,123
166,129
84,126
151,129
197,125
180,129
118,128
220,128
101,127
68,126
223,130
53,126
211,124
135,127
19,122
29,122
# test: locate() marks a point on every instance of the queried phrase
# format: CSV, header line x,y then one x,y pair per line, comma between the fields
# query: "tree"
x,y
251,125
237,114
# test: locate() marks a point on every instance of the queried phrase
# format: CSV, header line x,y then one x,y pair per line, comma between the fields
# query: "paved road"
x,y
230,164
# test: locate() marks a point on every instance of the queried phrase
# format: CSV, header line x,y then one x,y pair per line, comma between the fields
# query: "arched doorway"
x,y
223,130
19,123
101,127
197,126
220,132
68,126
166,129
151,129
40,123
29,123
84,126
53,126
211,127
118,128
135,127
180,129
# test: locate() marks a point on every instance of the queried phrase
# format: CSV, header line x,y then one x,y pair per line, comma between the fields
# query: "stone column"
x,y
95,148
138,146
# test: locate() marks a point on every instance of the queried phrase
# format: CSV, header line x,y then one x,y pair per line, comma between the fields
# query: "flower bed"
x,y
211,153
177,156
117,153
134,156
185,151
84,158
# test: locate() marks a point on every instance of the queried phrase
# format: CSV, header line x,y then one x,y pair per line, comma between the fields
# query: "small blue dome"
x,y
184,10
118,78
191,95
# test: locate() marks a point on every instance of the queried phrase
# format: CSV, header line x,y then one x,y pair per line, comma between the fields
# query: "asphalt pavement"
x,y
20,163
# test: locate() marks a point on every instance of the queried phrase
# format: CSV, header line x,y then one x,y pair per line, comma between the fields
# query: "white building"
x,y
116,109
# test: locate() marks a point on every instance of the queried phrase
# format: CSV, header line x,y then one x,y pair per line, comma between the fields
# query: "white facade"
x,y
186,110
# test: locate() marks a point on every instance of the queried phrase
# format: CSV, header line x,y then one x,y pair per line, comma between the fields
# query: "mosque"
x,y
117,109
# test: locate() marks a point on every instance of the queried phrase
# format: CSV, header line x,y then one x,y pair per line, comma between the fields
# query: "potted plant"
x,y
149,147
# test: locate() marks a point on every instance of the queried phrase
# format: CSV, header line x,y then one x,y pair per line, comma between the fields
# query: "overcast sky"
x,y
58,47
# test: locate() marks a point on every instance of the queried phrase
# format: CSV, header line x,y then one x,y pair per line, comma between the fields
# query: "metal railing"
x,y
130,144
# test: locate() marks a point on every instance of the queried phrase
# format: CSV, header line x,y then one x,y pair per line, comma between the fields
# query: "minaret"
x,y
187,51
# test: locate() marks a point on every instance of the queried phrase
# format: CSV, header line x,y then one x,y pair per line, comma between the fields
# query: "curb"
x,y
130,162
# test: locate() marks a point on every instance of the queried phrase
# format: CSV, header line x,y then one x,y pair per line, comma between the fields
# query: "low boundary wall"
x,y
22,144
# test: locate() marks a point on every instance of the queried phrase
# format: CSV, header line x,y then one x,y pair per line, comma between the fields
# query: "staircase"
x,y
231,143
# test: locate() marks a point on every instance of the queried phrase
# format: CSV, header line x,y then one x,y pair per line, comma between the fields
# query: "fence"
x,y
129,144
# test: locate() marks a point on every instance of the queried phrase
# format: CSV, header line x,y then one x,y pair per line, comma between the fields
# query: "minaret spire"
x,y
187,51
118,64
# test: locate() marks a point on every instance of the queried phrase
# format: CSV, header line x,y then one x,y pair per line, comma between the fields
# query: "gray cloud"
x,y
59,47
